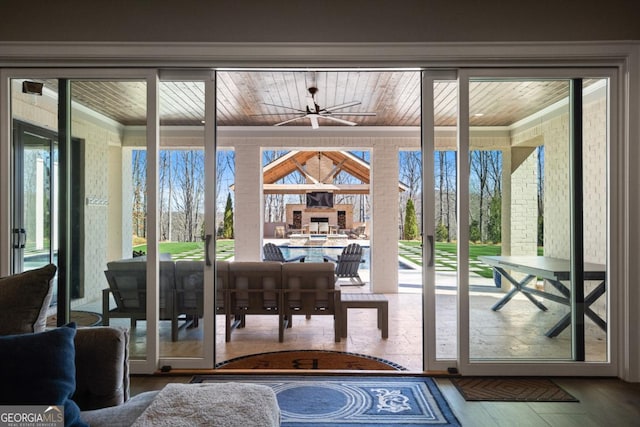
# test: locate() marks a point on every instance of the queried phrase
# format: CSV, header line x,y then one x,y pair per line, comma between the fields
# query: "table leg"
x,y
343,321
562,324
383,320
517,287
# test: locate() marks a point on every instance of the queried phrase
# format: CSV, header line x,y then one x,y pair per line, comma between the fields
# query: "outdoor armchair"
x,y
273,253
348,263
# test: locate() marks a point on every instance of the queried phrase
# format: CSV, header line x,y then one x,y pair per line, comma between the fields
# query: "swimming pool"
x,y
316,253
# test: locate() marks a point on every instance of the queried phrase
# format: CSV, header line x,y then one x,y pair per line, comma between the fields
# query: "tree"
x,y
480,165
189,193
540,195
227,230
494,225
410,222
442,234
474,231
139,180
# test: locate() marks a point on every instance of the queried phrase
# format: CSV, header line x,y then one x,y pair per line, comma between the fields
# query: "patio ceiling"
x,y
243,97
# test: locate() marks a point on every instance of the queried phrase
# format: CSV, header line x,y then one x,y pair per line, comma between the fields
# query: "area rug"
x,y
81,318
310,359
510,389
340,401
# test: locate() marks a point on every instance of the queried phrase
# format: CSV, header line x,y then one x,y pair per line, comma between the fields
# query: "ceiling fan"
x,y
313,112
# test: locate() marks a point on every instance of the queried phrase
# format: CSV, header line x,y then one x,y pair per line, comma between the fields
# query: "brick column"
x,y
505,230
384,221
247,210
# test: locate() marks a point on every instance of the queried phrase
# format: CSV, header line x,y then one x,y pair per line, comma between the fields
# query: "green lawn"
x,y
192,250
409,250
446,254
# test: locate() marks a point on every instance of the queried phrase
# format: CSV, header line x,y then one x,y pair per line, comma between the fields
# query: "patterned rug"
x,y
310,359
81,318
322,401
509,389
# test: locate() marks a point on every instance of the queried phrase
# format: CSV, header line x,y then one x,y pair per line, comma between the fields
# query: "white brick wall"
x,y
554,134
524,207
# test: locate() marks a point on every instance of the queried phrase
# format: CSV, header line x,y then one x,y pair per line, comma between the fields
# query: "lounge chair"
x,y
310,289
323,228
348,263
128,285
254,288
273,253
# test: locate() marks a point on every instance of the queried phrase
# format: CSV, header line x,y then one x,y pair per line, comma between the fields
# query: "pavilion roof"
x,y
296,160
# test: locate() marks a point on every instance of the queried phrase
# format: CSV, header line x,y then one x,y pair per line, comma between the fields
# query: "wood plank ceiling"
x,y
243,97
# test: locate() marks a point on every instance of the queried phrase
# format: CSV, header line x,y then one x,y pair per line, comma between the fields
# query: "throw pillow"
x,y
39,369
24,300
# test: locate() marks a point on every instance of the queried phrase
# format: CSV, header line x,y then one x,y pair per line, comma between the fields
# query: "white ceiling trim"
x,y
232,55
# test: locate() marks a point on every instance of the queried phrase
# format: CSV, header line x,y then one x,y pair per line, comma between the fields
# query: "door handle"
x,y
19,238
431,251
207,242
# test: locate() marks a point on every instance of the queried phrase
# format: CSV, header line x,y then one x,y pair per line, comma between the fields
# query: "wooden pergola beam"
x,y
305,188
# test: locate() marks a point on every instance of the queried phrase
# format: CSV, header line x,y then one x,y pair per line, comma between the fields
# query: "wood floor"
x,y
604,402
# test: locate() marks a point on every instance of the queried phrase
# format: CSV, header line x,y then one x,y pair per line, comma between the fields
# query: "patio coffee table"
x,y
555,271
356,300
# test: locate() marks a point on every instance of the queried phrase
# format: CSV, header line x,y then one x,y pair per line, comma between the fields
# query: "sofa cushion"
x,y
39,369
24,300
102,367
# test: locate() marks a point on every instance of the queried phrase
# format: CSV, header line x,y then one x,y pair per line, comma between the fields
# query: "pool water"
x,y
315,254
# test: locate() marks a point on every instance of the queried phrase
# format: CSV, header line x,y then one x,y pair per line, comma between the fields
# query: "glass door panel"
x,y
36,177
530,142
35,230
439,119
595,196
108,151
181,217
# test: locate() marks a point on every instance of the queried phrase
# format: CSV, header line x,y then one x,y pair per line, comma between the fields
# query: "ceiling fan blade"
x,y
314,121
284,106
290,120
364,113
335,119
286,113
341,106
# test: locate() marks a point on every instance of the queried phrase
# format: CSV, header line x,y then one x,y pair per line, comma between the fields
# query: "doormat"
x,y
511,389
81,318
356,401
311,359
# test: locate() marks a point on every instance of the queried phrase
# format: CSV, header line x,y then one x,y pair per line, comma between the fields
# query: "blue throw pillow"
x,y
40,369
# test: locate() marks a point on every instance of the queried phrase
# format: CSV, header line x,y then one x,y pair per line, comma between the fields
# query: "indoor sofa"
x,y
85,372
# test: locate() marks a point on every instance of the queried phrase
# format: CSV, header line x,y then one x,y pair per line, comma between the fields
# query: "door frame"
x,y
625,56
614,213
207,360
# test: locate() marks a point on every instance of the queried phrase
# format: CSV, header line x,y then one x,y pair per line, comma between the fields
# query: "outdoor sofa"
x,y
244,288
86,371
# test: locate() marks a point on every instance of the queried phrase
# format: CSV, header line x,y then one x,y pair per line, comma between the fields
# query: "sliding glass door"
x,y
186,215
533,221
